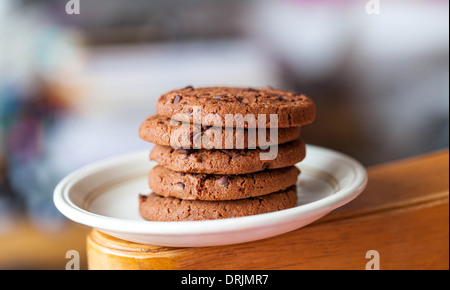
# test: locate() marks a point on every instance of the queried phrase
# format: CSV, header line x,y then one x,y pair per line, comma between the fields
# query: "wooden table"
x,y
403,215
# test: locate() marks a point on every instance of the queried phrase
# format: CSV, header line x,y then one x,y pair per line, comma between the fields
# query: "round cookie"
x,y
237,161
157,208
189,186
163,131
212,104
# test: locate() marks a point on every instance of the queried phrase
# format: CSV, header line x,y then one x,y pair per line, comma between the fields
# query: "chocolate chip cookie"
x,y
163,131
213,104
191,186
236,161
157,208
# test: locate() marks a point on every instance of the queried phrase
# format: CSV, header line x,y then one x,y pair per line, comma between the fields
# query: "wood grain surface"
x,y
403,215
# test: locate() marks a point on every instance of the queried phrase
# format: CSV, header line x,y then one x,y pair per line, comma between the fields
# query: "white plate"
x,y
104,196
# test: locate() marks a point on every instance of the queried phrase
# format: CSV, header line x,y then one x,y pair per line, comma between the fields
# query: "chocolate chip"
x,y
202,177
204,128
265,165
252,90
219,97
181,184
185,151
298,97
236,156
190,111
182,173
225,151
239,99
189,88
224,180
177,99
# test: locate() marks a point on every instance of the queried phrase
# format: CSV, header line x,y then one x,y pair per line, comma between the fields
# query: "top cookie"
x,y
210,105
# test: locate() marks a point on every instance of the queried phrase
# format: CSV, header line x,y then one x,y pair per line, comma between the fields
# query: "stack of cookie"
x,y
213,166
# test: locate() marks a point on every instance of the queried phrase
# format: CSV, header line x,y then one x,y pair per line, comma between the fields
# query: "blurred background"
x,y
75,88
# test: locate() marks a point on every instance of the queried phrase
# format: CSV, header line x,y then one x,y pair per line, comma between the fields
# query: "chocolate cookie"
x,y
167,132
212,104
237,161
188,186
157,208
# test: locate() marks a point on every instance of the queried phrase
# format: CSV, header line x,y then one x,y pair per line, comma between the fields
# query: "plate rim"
x,y
143,227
